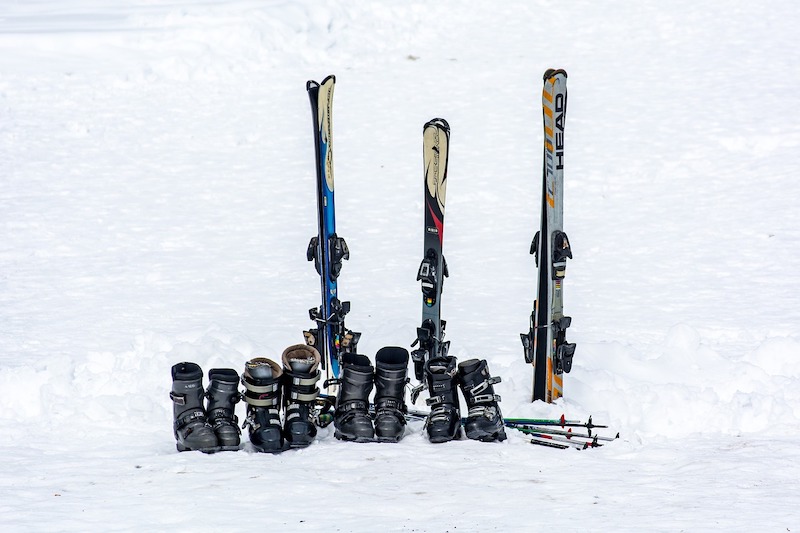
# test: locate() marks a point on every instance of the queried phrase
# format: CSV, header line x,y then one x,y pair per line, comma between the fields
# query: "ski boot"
x,y
262,383
391,375
191,428
300,376
444,422
351,418
484,419
223,395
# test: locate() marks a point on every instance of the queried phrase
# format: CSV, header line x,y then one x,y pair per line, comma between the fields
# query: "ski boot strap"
x,y
304,397
221,414
483,385
272,414
447,398
262,395
434,400
196,415
442,412
350,409
353,405
301,380
486,411
223,417
483,398
391,407
416,391
389,404
302,387
475,391
265,397
444,384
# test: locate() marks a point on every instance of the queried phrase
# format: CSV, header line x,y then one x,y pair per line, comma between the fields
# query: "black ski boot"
x,y
351,418
484,420
444,422
191,428
391,375
300,376
223,395
262,383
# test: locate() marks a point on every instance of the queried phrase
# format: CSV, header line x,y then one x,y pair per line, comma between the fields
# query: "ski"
x,y
330,336
433,269
545,345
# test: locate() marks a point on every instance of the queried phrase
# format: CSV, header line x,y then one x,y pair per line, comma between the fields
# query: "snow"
x,y
156,201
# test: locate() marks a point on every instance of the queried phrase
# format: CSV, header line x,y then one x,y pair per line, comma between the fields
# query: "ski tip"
x,y
437,122
311,84
549,73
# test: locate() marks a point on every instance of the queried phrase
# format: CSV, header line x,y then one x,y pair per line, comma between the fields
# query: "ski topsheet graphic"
x,y
545,345
433,269
326,249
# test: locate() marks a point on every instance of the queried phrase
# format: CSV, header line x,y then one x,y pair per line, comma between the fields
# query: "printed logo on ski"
x,y
437,185
554,146
560,130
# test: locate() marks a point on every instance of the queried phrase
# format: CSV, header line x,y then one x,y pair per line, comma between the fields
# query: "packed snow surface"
x,y
157,197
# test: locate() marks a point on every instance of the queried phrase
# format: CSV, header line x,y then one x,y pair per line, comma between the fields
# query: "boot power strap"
x,y
483,385
262,389
303,380
483,398
304,396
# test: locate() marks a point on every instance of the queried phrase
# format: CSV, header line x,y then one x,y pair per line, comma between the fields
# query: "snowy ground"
x,y
156,200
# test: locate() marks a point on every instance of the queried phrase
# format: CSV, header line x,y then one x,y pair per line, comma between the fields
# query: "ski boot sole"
x,y
494,437
182,448
348,438
273,451
389,439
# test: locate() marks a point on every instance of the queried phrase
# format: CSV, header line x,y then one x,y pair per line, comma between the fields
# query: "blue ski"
x,y
330,336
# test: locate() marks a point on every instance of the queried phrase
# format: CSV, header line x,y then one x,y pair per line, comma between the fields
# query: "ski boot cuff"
x,y
301,358
262,382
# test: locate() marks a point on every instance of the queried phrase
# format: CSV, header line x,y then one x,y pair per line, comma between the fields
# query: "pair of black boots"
x,y
270,388
352,418
208,427
484,421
